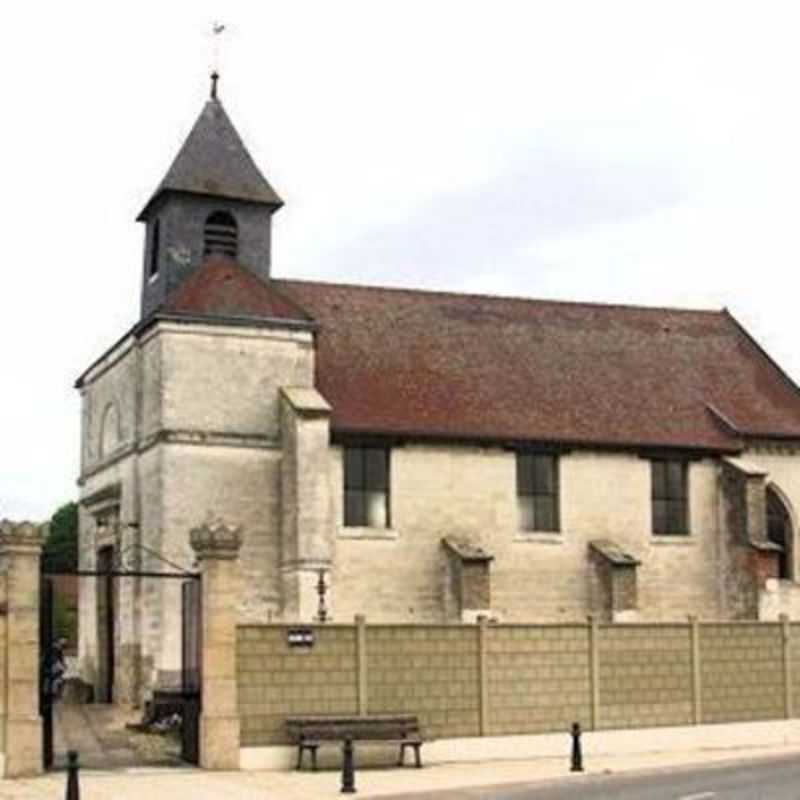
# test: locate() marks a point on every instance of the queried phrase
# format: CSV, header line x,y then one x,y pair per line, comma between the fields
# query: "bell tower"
x,y
213,201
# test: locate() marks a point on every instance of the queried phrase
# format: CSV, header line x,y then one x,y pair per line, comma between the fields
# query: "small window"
x,y
366,487
221,235
669,497
537,491
155,244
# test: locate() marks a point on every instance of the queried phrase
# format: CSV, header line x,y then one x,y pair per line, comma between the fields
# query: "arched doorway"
x,y
780,532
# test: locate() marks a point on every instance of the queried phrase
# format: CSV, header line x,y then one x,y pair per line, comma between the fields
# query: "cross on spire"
x,y
217,29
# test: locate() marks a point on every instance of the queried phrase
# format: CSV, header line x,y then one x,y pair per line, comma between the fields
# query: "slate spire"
x,y
214,201
214,161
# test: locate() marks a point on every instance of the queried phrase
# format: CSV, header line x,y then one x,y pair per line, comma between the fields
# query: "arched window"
x,y
109,430
779,531
220,234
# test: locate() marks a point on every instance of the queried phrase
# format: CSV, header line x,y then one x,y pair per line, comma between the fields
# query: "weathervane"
x,y
216,32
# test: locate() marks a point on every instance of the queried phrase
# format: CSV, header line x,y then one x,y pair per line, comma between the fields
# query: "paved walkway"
x,y
99,733
180,783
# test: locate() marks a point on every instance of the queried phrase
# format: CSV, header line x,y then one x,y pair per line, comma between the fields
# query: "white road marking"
x,y
701,796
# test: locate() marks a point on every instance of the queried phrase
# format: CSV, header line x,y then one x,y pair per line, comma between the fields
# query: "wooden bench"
x,y
308,733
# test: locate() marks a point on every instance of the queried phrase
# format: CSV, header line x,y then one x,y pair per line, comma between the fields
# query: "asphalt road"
x,y
765,779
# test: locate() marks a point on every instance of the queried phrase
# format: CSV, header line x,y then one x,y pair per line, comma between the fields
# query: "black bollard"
x,y
577,754
73,788
348,768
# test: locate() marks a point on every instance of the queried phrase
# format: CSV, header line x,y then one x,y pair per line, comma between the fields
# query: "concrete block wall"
x,y
492,680
645,676
429,670
538,678
741,671
275,680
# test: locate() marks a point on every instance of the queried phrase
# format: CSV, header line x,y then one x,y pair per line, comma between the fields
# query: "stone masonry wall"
x,y
470,492
780,462
794,660
465,680
194,415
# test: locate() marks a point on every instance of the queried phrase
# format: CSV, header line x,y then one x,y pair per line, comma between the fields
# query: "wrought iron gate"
x,y
191,643
191,613
46,653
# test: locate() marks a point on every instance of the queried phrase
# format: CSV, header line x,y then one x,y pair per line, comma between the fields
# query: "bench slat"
x,y
377,728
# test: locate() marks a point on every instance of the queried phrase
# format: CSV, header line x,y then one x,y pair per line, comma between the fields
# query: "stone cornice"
x,y
190,437
306,401
107,495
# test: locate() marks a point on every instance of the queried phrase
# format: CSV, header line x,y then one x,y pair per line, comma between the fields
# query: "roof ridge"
x,y
513,298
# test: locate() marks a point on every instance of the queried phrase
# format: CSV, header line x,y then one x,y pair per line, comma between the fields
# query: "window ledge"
x,y
368,533
539,537
687,540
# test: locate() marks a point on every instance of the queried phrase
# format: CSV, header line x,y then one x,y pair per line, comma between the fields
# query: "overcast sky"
x,y
642,152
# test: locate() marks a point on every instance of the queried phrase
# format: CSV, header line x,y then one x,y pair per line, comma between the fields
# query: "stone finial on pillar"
x,y
21,535
215,539
217,547
21,549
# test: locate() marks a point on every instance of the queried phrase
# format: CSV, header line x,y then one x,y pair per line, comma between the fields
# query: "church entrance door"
x,y
106,615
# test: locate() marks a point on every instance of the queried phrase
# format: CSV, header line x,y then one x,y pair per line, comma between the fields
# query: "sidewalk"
x,y
189,784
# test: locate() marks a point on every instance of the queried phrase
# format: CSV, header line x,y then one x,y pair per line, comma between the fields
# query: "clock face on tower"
x,y
180,255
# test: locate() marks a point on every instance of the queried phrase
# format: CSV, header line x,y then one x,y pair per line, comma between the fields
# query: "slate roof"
x,y
214,161
434,364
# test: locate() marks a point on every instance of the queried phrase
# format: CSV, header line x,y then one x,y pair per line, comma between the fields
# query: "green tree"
x,y
60,552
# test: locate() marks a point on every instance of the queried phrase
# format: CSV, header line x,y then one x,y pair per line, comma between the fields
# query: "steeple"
x,y
213,200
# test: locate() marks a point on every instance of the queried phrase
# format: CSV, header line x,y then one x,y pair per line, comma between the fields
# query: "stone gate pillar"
x,y
217,548
21,550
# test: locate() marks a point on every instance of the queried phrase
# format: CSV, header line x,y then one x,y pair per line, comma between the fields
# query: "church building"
x,y
429,456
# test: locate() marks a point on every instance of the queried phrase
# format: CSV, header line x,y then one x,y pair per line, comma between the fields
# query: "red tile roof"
x,y
449,365
221,287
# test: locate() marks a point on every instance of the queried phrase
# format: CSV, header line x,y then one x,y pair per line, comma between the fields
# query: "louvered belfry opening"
x,y
220,235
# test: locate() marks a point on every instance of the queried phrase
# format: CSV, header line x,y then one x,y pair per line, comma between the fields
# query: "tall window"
x,y
220,235
155,244
669,496
537,491
779,531
366,487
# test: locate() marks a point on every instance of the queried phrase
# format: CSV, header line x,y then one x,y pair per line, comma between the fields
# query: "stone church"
x,y
436,455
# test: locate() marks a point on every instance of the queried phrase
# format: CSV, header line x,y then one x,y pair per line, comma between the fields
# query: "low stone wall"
x,y
495,680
